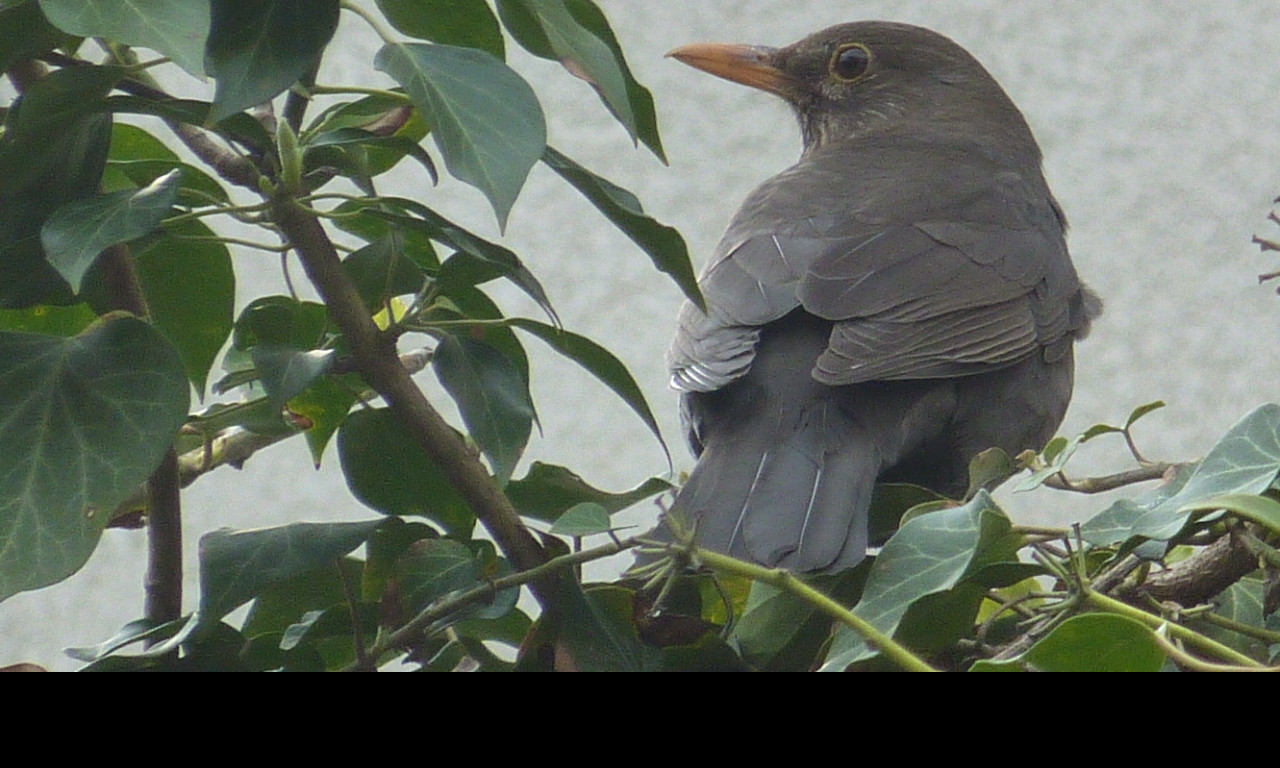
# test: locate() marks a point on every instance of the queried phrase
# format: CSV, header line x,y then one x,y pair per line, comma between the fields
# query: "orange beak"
x,y
746,64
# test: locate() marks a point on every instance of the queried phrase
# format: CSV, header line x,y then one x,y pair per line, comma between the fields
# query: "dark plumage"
x,y
894,303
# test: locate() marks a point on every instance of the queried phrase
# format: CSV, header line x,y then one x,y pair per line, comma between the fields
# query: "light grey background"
x,y
1160,124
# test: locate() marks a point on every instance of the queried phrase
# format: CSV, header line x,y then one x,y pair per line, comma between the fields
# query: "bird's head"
x,y
860,79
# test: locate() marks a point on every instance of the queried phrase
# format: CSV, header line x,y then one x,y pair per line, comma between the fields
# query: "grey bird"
x,y
894,303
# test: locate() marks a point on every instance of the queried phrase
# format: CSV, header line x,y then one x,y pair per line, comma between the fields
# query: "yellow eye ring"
x,y
850,62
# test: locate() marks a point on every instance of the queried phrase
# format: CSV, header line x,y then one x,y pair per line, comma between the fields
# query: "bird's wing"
x,y
967,274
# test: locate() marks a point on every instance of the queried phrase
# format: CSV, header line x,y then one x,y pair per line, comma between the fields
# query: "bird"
x,y
899,300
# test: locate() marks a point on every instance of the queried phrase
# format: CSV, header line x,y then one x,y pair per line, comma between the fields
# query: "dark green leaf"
x,y
24,32
602,364
137,158
492,397
665,246
191,291
386,469
94,414
547,491
889,502
51,106
78,231
1097,642
597,632
239,127
435,569
1245,461
468,23
577,34
281,605
381,271
585,519
237,566
779,631
258,48
929,554
281,320
175,28
485,118
477,260
286,371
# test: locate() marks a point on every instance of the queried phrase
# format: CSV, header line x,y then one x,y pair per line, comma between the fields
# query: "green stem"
x,y
383,30
1258,633
786,581
1208,645
1200,665
436,611
342,90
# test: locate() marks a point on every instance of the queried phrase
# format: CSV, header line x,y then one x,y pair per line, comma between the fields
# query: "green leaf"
x,y
381,271
388,470
137,158
436,569
78,231
779,631
281,605
93,415
477,260
492,397
597,633
929,554
548,491
1263,510
1141,411
175,28
281,320
1245,461
599,362
258,48
54,104
286,371
237,566
585,519
239,127
468,23
485,118
988,469
190,287
1114,524
24,32
584,54
323,405
577,34
665,246
1097,642
52,320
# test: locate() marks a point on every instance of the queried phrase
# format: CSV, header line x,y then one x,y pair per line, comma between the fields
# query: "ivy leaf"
x,y
929,554
1245,461
547,491
93,414
175,28
258,48
78,231
237,566
1097,642
492,397
485,118
286,371
585,519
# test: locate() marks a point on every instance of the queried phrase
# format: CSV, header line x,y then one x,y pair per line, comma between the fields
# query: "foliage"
x,y
116,301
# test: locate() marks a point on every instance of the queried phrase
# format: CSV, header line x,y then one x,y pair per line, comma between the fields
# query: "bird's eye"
x,y
850,62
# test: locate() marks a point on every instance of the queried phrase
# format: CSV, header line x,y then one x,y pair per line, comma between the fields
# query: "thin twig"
x,y
1142,474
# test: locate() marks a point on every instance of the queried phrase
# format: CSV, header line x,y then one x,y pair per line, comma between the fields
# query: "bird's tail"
x,y
794,499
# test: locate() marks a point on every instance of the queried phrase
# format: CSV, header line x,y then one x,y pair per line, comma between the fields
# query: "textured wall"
x,y
1159,123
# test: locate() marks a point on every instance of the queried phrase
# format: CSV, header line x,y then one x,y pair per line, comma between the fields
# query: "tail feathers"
x,y
800,504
